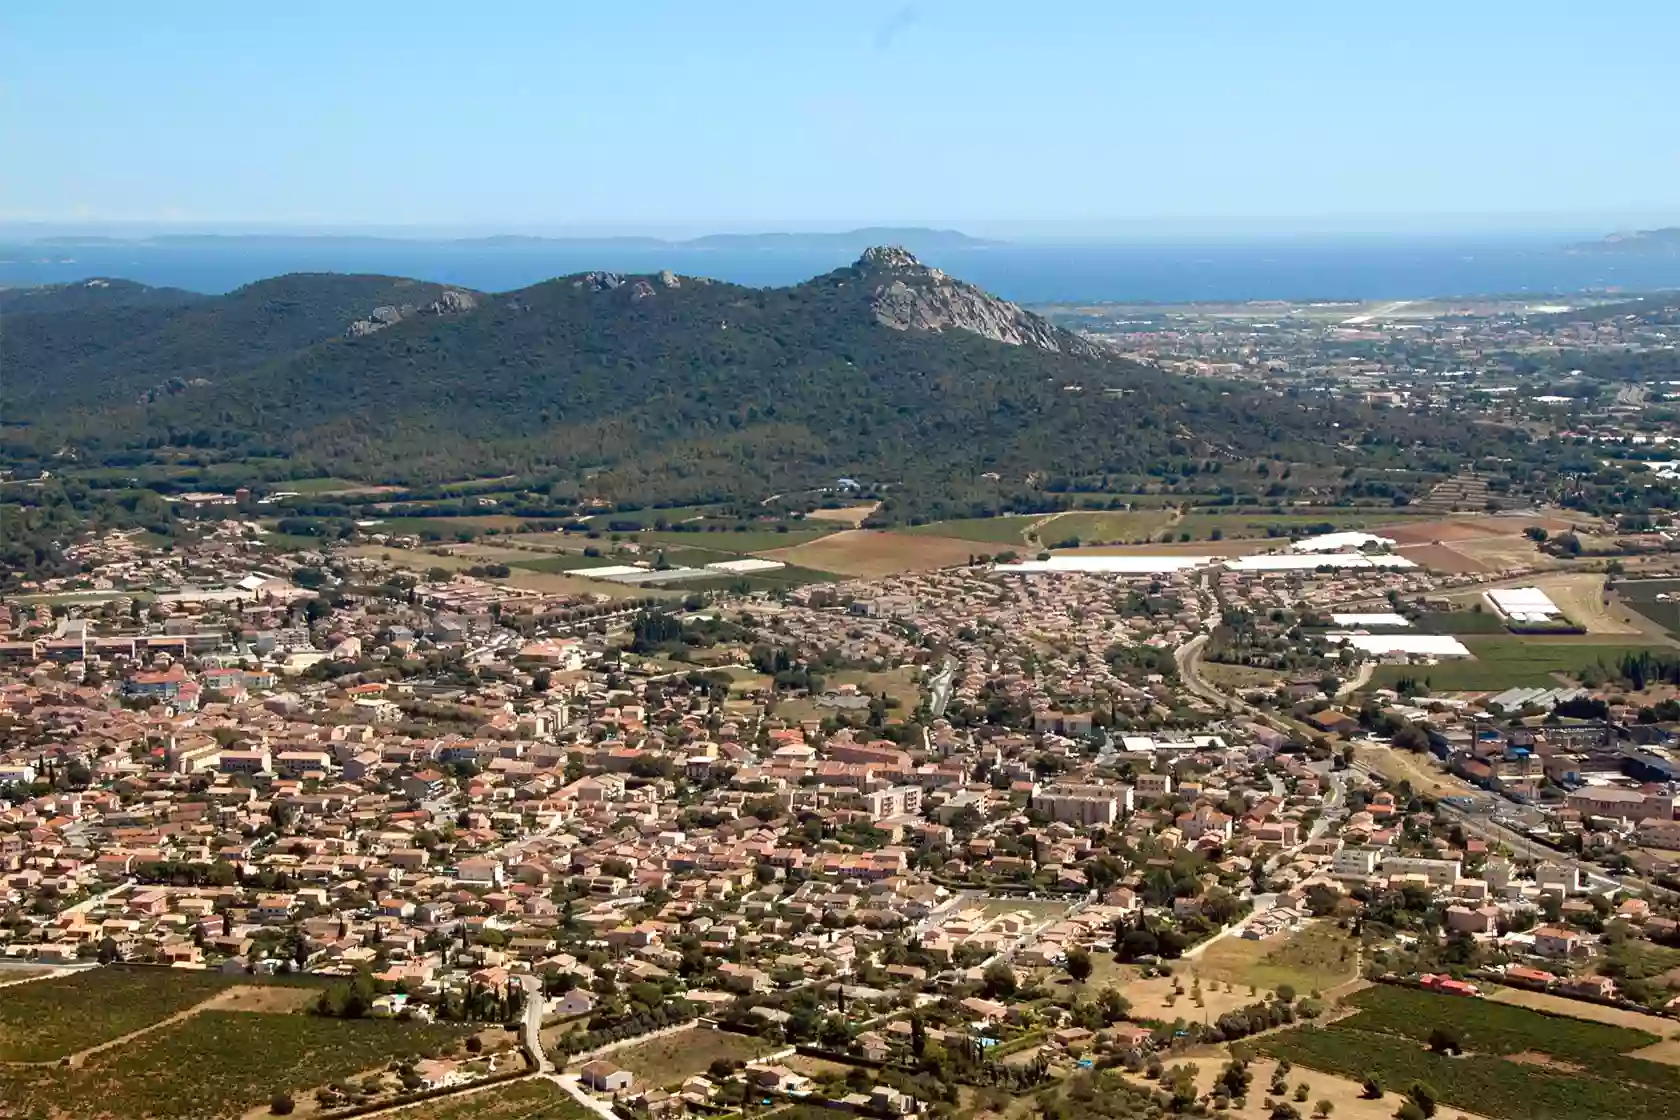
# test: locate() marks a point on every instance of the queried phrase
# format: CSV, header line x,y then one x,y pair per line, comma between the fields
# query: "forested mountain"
x,y
83,295
650,387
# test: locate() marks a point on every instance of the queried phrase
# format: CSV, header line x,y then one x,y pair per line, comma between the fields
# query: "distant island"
x,y
1645,242
916,238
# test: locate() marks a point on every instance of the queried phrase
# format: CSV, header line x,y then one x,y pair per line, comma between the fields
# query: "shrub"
x,y
282,1104
1373,1087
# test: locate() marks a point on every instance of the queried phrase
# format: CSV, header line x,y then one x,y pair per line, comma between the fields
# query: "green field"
x,y
47,1019
1460,622
1518,1064
1117,527
1509,661
986,530
559,562
215,1064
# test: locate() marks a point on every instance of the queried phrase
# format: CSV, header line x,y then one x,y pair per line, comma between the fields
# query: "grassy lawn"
x,y
672,1059
216,1064
1507,661
529,1099
49,1019
987,530
1316,957
1518,1063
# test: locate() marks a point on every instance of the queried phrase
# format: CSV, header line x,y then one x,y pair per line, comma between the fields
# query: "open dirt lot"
x,y
1345,1095
1667,1029
1399,765
849,515
1319,956
673,1058
1153,998
869,553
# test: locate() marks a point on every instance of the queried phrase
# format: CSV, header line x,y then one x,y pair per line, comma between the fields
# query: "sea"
x,y
1304,268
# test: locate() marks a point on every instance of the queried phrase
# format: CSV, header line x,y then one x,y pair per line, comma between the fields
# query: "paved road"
x,y
534,1007
1360,679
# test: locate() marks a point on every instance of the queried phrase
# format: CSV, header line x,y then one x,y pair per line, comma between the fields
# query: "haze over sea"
x,y
1300,268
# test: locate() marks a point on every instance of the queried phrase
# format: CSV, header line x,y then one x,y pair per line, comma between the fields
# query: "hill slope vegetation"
x,y
635,387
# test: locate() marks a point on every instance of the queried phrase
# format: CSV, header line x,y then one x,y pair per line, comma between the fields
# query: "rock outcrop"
x,y
451,302
907,295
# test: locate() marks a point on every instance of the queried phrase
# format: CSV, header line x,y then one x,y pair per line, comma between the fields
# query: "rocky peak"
x,y
907,295
891,258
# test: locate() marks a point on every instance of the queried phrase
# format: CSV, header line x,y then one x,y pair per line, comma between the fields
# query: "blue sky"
x,y
692,116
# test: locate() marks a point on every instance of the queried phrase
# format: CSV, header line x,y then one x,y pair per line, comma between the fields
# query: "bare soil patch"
x,y
1437,532
272,999
1545,1061
850,515
869,553
1440,558
1666,1052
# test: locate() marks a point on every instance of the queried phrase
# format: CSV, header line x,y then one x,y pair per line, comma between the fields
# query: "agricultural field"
x,y
50,1019
1594,1012
215,1064
869,553
1117,527
1517,1064
1281,526
532,1098
1506,661
1317,957
671,1059
1009,530
1655,599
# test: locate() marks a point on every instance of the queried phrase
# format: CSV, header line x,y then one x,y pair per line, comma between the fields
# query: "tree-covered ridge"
x,y
641,388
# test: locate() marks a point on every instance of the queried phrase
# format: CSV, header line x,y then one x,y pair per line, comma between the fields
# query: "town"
x,y
919,843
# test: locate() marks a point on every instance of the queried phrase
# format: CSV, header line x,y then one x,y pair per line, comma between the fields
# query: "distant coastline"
x,y
1189,270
